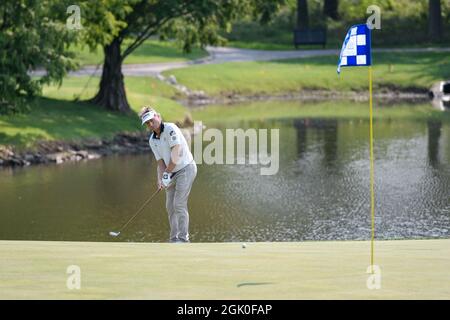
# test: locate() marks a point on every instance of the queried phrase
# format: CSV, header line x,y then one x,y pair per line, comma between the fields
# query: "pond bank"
x,y
57,152
61,151
199,98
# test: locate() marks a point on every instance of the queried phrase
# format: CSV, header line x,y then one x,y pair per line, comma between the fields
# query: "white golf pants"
x,y
177,202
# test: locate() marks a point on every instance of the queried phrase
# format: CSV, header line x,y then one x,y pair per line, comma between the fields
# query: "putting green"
x,y
410,269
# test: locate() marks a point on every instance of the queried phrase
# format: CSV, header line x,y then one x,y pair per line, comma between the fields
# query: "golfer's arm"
x,y
174,156
160,169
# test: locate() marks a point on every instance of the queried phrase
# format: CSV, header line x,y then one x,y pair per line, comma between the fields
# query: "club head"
x,y
114,234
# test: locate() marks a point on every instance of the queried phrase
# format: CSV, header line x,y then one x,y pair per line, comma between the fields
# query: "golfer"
x,y
176,170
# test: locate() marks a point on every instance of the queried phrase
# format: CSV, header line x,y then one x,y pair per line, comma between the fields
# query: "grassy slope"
x,y
54,119
151,51
57,117
406,71
307,270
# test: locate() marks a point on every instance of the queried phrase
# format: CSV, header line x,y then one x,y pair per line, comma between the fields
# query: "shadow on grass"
x,y
63,120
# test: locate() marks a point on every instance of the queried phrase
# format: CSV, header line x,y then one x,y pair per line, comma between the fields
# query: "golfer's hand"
x,y
165,181
159,185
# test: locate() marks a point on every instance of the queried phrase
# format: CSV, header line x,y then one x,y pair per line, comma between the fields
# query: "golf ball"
x,y
243,246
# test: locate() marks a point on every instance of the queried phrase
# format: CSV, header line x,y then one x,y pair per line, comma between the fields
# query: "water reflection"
x,y
434,133
326,131
321,191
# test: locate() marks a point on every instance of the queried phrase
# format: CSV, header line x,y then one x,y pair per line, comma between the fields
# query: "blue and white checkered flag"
x,y
355,50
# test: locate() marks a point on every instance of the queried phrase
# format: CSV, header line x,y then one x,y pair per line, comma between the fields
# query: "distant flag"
x,y
355,50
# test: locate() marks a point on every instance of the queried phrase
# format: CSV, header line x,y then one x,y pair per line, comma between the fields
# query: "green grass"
x,y
327,109
53,119
403,71
410,269
86,87
151,51
57,117
140,91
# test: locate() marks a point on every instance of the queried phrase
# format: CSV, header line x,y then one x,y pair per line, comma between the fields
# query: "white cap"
x,y
147,116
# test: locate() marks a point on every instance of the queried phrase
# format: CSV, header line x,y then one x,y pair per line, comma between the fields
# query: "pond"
x,y
320,192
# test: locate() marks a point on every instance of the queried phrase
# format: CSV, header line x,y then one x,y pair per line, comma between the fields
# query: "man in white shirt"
x,y
176,170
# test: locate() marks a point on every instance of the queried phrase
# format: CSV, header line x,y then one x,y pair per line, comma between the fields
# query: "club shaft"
x,y
139,211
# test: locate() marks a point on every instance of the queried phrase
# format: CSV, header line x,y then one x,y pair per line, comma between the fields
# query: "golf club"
x,y
116,234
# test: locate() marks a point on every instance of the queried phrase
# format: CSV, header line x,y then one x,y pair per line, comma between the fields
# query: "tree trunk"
x,y
302,15
434,20
330,9
112,94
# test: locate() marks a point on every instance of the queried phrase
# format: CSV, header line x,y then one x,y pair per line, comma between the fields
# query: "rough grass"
x,y
410,269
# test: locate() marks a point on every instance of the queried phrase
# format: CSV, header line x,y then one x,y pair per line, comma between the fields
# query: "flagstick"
x,y
372,195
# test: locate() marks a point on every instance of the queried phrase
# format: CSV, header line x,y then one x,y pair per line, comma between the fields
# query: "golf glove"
x,y
166,179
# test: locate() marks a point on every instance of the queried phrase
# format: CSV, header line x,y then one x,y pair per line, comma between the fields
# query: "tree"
x,y
434,20
30,37
302,14
194,22
330,9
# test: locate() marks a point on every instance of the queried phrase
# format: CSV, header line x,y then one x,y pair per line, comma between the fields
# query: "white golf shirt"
x,y
170,136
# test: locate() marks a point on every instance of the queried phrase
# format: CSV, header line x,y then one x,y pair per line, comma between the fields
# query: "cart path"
x,y
223,55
